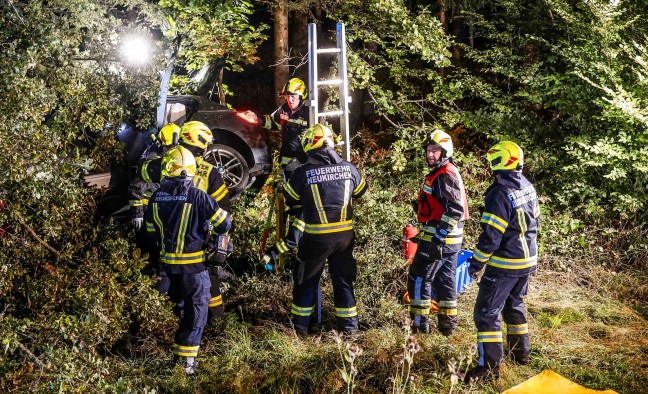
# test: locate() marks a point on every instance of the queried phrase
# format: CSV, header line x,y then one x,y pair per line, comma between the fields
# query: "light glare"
x,y
136,50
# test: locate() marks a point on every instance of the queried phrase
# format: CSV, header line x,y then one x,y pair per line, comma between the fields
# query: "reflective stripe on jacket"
x,y
509,223
325,188
178,216
292,124
442,205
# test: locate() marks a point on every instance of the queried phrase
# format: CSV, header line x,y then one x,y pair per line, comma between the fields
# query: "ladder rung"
x,y
331,113
329,82
328,50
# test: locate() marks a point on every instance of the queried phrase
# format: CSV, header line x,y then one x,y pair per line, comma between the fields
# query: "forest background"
x,y
566,79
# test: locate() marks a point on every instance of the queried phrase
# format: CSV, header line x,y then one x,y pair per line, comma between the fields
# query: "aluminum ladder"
x,y
342,82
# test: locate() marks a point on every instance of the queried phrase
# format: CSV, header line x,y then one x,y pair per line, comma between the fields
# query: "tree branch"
x,y
31,231
30,354
384,116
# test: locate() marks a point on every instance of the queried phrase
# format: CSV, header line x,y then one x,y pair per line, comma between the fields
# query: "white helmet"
x,y
441,138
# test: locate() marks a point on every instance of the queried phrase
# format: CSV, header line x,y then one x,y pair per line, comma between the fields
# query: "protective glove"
x,y
292,165
474,268
137,223
269,257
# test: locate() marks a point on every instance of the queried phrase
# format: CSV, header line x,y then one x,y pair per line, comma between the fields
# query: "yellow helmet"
x,y
317,137
441,138
295,86
505,155
197,134
180,162
169,134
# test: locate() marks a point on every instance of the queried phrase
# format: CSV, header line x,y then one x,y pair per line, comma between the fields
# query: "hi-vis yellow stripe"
x,y
360,186
291,192
318,204
494,221
517,329
185,351
218,217
182,230
183,258
301,311
156,217
329,227
299,224
513,264
220,193
144,172
489,336
216,301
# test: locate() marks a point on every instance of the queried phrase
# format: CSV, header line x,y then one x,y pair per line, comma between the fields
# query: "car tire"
x,y
232,166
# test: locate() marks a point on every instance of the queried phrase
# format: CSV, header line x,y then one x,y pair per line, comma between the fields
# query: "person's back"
x,y
507,246
181,217
325,188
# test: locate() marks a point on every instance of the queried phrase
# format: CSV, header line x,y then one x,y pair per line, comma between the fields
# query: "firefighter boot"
x,y
189,364
480,374
423,328
519,358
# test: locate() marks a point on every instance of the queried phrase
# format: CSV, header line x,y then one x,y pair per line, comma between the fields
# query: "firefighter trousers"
x,y
193,291
503,295
311,259
433,271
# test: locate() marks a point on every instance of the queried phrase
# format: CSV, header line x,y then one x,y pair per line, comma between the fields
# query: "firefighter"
x,y
196,136
141,184
441,209
325,188
507,246
180,217
291,119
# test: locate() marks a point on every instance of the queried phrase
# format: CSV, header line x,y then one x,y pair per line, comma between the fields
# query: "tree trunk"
x,y
299,37
281,73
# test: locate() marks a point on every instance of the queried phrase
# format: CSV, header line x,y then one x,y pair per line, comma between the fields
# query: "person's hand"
x,y
474,268
137,223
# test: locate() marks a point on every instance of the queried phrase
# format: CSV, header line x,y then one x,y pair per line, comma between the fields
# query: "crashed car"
x,y
239,151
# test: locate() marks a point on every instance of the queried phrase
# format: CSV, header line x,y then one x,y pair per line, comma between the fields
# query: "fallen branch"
x,y
31,231
30,354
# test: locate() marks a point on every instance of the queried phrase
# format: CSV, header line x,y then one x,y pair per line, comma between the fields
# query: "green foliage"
x,y
210,30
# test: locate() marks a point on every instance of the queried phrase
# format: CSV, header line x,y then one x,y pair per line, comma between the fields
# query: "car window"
x,y
176,113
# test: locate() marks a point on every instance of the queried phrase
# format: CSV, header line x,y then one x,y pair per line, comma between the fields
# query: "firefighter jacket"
x,y
208,179
325,188
509,225
141,186
179,216
292,124
442,206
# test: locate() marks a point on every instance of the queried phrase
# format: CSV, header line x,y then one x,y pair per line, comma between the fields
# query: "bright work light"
x,y
136,50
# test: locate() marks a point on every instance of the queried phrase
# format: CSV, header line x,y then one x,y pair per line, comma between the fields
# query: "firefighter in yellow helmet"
x,y
291,119
165,139
195,137
441,209
325,187
180,218
507,247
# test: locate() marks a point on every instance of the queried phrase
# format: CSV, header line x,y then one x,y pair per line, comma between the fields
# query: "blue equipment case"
x,y
462,279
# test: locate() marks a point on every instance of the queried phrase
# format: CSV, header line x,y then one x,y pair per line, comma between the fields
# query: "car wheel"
x,y
231,165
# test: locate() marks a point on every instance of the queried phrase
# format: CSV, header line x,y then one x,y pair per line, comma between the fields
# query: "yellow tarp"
x,y
549,382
